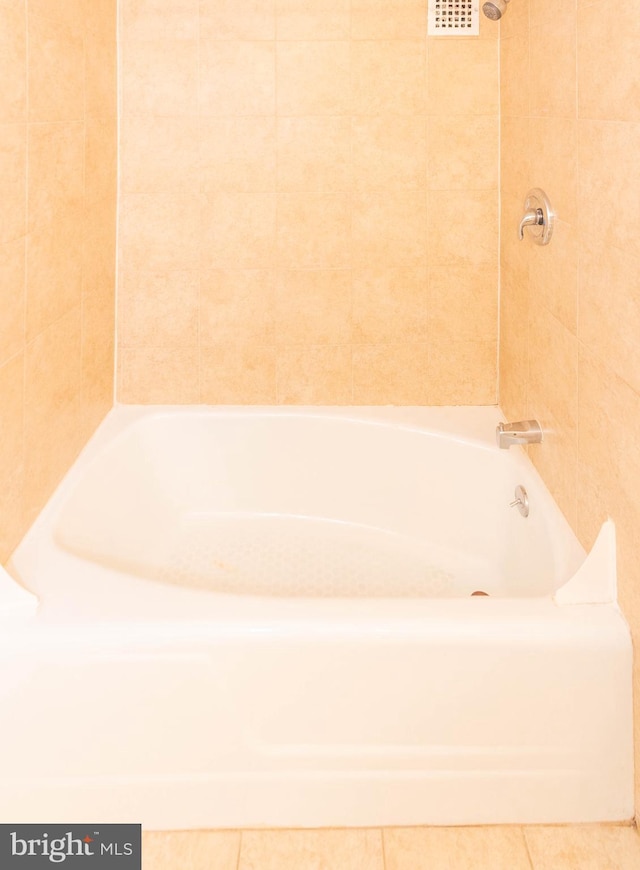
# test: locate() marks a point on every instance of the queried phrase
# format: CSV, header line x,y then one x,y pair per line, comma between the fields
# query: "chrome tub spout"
x,y
522,432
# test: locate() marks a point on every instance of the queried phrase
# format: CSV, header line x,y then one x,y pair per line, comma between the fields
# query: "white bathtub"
x,y
264,617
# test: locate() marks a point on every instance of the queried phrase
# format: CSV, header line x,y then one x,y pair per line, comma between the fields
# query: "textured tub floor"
x,y
579,847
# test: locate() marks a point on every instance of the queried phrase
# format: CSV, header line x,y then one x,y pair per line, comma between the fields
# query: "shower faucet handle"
x,y
532,218
539,216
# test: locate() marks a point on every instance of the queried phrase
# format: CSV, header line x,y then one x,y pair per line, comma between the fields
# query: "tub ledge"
x,y
15,600
595,581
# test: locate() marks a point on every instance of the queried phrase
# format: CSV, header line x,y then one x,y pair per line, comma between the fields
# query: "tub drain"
x,y
480,593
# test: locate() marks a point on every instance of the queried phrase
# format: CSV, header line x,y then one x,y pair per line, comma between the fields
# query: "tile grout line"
x,y
276,266
526,846
201,194
499,227
350,195
117,302
25,262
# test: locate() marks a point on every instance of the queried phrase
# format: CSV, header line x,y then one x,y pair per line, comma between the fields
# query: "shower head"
x,y
495,9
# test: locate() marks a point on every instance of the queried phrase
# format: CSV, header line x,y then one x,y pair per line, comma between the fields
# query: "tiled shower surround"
x,y
57,243
309,214
309,205
570,312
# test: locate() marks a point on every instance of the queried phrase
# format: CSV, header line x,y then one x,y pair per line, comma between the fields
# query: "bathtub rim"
x,y
469,425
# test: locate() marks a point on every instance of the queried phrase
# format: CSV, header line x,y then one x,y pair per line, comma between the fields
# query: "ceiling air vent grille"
x,y
454,18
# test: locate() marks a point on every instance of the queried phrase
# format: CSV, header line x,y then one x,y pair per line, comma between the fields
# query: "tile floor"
x,y
572,847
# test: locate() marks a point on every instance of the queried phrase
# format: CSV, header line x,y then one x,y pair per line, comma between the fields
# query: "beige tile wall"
x,y
570,353
308,204
57,243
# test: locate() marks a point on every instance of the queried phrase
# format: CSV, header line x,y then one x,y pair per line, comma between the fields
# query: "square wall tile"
x,y
237,155
56,171
314,375
463,77
515,160
151,375
606,403
462,372
237,306
552,54
159,154
515,87
55,426
513,379
388,19
553,162
556,351
462,302
238,374
54,270
553,275
13,60
240,19
236,78
514,253
66,15
12,294
463,152
390,305
517,21
606,90
99,246
100,160
238,231
608,157
147,20
313,307
462,227
13,175
609,308
389,152
553,401
391,374
159,231
389,229
314,154
97,359
100,60
160,77
541,12
314,231
158,309
13,523
313,78
313,19
388,77
55,44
